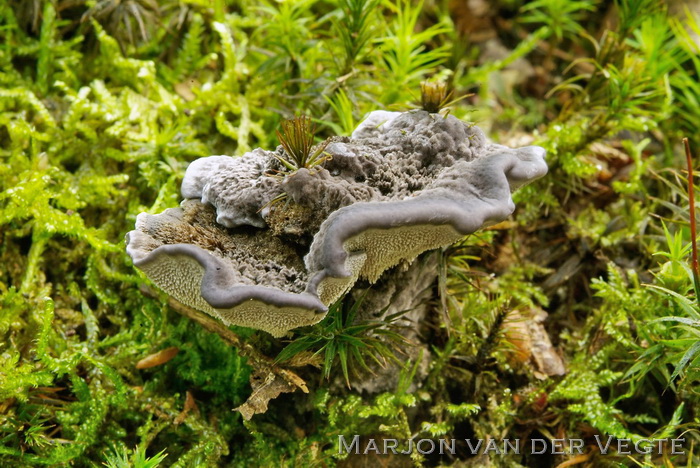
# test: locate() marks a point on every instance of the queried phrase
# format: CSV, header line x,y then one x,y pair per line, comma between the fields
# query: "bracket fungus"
x,y
402,184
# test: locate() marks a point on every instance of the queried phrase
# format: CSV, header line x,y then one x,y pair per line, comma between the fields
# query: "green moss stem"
x,y
39,240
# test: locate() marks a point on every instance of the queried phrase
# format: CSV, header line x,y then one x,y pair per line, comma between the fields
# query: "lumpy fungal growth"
x,y
402,184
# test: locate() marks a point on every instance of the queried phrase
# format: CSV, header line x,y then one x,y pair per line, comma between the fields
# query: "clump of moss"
x,y
297,139
434,96
289,219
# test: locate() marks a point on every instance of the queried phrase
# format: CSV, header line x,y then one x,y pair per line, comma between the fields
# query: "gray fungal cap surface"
x,y
402,184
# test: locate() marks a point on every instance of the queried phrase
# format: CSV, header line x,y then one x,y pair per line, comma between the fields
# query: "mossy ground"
x,y
104,103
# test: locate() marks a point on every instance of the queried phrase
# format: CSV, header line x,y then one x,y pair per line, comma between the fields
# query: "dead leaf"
x,y
516,333
265,388
305,358
189,405
156,359
530,342
184,90
564,273
546,359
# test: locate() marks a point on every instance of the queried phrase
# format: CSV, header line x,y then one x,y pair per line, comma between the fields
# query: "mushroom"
x,y
227,275
402,184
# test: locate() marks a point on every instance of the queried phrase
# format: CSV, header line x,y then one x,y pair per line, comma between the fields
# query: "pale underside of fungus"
x,y
272,251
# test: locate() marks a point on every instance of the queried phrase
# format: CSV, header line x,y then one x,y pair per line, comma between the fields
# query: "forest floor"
x,y
574,321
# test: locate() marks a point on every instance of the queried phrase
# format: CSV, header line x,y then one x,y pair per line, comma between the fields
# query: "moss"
x,y
292,221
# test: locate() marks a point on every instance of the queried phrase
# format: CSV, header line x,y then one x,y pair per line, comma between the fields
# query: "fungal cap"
x,y
201,280
380,235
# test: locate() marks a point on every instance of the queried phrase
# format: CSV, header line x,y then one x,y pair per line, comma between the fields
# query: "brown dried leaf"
x,y
266,387
515,332
189,405
530,343
305,358
546,359
156,359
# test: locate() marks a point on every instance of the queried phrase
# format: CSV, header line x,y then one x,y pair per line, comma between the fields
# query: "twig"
x,y
693,227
